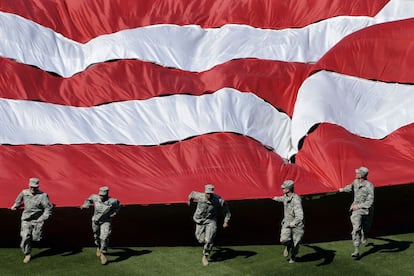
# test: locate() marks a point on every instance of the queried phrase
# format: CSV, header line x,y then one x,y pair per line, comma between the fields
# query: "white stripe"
x,y
189,48
370,109
148,122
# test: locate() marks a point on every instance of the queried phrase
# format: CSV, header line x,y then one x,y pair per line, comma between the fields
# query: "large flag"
x,y
157,98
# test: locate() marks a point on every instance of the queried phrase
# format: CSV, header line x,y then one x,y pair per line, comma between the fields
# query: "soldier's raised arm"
x,y
17,202
87,203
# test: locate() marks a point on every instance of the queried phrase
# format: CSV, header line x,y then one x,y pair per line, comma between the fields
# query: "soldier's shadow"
x,y
327,256
62,251
391,246
124,253
224,253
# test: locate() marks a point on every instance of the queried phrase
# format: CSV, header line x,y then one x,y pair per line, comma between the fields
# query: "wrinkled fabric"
x,y
317,96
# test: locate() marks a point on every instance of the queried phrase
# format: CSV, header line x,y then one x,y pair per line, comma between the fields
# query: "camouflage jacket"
x,y
36,206
103,210
207,209
293,211
363,195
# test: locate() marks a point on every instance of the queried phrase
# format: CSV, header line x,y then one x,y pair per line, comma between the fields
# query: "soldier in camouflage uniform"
x,y
205,217
292,230
37,209
105,208
361,208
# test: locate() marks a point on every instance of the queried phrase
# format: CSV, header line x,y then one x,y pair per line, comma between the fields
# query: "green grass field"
x,y
390,255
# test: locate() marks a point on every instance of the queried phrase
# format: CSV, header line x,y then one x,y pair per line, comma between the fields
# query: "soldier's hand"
x,y
225,225
354,207
189,203
292,224
13,208
81,207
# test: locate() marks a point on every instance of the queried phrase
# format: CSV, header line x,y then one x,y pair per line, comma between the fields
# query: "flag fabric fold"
x,y
157,99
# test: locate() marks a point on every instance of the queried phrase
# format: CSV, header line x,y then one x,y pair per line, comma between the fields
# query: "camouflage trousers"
x,y
101,233
361,223
205,234
291,237
30,230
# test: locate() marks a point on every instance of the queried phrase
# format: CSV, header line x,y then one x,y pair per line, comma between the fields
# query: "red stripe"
x,y
380,52
333,153
82,20
240,168
275,82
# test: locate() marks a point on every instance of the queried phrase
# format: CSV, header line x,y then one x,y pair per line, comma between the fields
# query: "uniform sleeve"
x,y
18,201
191,196
347,188
226,210
298,210
117,207
47,206
194,195
279,198
88,202
369,201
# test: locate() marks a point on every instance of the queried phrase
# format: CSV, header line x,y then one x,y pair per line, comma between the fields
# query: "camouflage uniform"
x,y
101,219
37,209
293,213
361,218
205,218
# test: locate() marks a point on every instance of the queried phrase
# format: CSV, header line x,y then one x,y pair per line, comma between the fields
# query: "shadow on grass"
x,y
327,256
222,253
67,251
391,246
124,253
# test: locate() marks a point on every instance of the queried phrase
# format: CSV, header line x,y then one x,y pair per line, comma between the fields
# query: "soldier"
x,y
205,217
37,209
292,230
105,208
361,208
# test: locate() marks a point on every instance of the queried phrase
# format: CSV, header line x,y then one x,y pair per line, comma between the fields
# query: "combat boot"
x,y
286,251
104,260
355,254
204,260
27,258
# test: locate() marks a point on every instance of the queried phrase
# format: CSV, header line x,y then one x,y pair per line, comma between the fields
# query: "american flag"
x,y
157,98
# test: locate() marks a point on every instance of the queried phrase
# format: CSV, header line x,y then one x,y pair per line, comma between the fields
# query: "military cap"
x,y
103,190
288,184
209,189
363,171
34,182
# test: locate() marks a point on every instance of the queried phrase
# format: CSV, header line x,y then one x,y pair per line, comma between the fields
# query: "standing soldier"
x,y
292,230
105,208
37,209
205,217
361,208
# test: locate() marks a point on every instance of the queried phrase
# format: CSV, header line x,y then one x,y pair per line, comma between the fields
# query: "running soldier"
x,y
292,230
105,208
205,217
37,209
362,208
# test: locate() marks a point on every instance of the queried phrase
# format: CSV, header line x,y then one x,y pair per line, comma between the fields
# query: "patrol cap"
x,y
288,184
209,189
34,182
103,190
363,171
